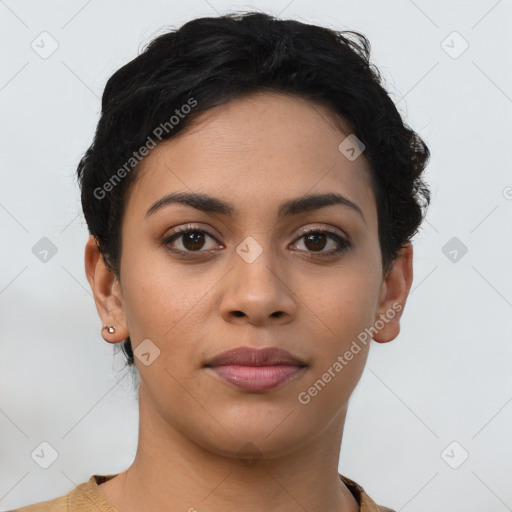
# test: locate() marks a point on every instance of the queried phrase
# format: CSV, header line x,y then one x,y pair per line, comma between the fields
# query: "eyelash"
x,y
343,244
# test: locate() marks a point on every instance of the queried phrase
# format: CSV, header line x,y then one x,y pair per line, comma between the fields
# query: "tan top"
x,y
88,497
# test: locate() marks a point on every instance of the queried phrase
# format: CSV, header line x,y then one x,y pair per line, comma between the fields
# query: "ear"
x,y
393,295
107,293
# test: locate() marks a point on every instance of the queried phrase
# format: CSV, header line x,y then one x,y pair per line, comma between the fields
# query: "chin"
x,y
259,437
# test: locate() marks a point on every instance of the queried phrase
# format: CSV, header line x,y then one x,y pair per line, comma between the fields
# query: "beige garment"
x,y
88,497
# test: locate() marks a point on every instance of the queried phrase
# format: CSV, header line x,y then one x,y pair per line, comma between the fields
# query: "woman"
x,y
251,195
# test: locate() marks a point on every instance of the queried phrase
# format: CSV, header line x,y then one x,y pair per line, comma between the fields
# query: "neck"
x,y
171,468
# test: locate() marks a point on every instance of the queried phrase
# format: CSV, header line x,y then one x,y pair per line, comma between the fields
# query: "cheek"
x,y
344,304
156,294
344,307
168,303
340,350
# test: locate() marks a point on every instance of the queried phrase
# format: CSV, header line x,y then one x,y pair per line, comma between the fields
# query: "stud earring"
x,y
111,329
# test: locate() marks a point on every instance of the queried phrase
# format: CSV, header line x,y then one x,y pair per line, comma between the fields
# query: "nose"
x,y
257,291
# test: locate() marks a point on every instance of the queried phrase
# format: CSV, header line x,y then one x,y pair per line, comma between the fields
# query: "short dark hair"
x,y
212,60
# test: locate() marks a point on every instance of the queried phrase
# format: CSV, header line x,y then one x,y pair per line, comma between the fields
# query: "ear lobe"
x,y
107,293
394,291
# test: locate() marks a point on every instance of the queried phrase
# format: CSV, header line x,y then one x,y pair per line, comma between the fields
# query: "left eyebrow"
x,y
209,204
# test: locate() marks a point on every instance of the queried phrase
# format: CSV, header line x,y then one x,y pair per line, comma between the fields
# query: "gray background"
x,y
445,379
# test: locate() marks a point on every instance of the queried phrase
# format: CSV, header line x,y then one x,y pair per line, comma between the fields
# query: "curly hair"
x,y
212,60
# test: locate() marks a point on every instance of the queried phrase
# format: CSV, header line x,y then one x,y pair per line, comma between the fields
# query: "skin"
x,y
254,152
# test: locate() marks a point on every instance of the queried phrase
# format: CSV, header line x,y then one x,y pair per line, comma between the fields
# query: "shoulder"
x,y
85,497
366,504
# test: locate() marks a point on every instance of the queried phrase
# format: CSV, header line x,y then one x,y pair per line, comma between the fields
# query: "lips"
x,y
248,356
256,370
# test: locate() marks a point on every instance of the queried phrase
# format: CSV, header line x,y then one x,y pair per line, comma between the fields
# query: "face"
x,y
252,273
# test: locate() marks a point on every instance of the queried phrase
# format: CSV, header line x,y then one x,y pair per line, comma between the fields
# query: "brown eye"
x,y
192,240
316,240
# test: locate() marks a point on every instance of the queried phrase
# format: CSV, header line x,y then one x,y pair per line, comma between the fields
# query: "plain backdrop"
x,y
429,424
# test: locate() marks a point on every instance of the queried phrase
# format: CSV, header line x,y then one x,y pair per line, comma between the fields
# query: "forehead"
x,y
254,152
